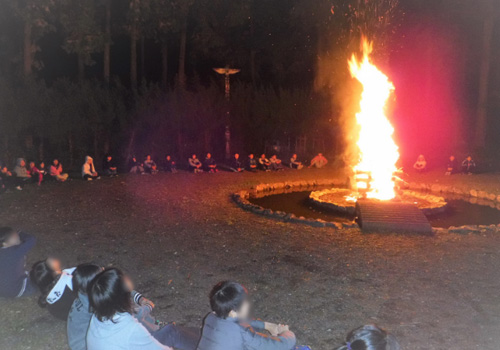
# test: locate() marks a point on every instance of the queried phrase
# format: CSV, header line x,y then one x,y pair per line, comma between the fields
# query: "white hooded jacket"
x,y
88,169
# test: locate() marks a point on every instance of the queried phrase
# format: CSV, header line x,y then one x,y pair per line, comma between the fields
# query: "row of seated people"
x,y
23,173
468,165
103,311
210,165
32,173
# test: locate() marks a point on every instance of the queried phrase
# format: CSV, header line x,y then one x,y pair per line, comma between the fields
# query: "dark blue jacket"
x,y
231,334
13,275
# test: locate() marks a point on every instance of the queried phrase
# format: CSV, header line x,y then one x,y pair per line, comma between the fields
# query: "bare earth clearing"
x,y
178,234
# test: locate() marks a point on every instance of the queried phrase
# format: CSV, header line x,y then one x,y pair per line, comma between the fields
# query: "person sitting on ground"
x,y
55,286
42,169
236,165
275,163
88,170
170,165
150,166
264,163
370,337
228,325
210,164
14,278
421,164
468,165
294,163
35,173
109,167
252,163
135,167
9,180
195,165
451,166
56,171
113,325
80,314
319,161
21,171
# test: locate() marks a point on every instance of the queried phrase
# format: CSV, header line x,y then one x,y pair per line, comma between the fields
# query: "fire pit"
x,y
343,200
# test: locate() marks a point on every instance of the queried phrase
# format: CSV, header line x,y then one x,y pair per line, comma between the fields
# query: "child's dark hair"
x,y
83,275
44,278
108,295
370,337
227,296
5,233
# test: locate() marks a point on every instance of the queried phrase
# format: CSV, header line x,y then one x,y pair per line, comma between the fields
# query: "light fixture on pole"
x,y
227,72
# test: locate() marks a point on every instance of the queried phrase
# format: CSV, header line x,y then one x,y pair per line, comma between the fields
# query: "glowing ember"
x,y
378,153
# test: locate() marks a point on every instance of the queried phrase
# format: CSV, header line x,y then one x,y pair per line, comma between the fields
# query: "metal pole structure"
x,y
227,72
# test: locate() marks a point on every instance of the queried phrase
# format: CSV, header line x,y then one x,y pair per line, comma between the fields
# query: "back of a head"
x,y
108,294
5,233
370,337
42,275
44,278
227,296
83,275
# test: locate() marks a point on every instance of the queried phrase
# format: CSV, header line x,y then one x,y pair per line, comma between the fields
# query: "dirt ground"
x,y
179,234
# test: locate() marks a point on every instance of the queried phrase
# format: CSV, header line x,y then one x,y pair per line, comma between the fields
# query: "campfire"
x,y
372,198
378,153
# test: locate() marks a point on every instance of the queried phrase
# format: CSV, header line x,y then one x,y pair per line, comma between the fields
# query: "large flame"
x,y
378,153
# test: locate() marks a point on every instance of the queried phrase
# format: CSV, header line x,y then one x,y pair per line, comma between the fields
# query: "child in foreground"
x,y
228,326
80,314
115,324
55,286
370,337
13,276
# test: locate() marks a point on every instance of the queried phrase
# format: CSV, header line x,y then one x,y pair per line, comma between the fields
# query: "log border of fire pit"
x,y
260,190
475,196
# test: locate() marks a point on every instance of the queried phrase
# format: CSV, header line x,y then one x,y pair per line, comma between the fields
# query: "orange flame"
x,y
378,153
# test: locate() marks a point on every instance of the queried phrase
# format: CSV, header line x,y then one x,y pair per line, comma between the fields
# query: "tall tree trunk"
x,y
482,106
6,155
253,71
143,56
133,55
96,145
130,146
164,65
81,68
28,49
106,145
107,44
41,150
182,54
208,140
180,146
71,148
